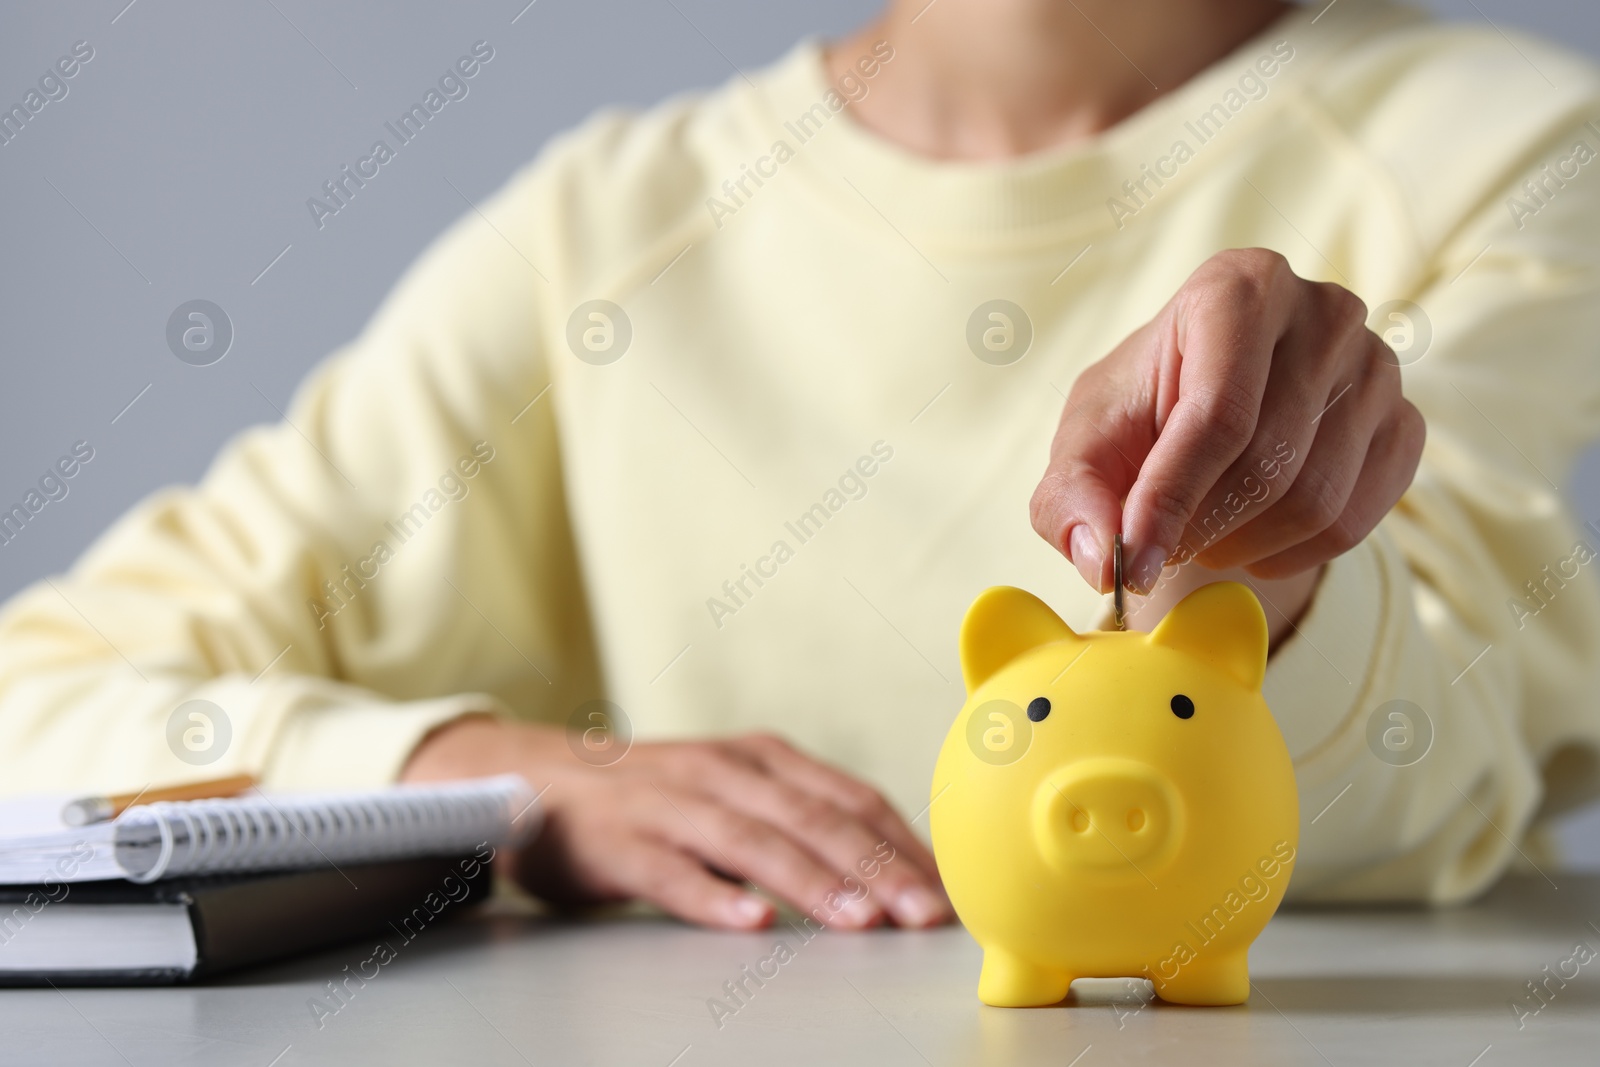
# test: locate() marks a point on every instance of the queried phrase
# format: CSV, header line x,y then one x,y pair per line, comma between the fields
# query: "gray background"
x,y
179,164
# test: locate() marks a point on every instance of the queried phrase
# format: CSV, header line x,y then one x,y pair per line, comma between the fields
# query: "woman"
x,y
719,414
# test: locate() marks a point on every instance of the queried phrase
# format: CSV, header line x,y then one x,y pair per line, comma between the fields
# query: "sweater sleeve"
x,y
395,553
1440,697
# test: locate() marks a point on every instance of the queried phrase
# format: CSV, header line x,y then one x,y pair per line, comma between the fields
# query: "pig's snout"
x,y
1106,813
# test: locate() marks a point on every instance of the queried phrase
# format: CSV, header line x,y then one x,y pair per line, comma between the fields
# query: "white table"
x,y
1331,987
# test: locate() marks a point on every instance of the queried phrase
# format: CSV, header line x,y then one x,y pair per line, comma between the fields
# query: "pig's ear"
x,y
1002,624
1222,624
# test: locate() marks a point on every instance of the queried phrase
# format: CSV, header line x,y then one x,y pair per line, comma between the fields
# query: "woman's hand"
x,y
685,825
1255,422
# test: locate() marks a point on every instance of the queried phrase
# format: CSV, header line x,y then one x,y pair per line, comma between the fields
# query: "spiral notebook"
x,y
263,832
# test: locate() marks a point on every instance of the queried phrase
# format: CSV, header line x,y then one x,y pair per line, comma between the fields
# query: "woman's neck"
x,y
995,79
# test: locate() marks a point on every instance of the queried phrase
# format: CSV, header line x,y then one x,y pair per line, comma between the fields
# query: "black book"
x,y
116,932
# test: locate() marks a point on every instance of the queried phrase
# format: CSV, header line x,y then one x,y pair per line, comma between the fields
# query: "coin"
x,y
1119,606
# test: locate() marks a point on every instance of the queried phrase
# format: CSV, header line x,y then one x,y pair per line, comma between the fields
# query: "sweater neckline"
x,y
1057,192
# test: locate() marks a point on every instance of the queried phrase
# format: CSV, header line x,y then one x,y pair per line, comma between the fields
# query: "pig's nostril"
x,y
1080,820
1135,820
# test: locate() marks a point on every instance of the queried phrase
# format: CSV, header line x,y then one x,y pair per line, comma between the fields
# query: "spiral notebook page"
x,y
264,831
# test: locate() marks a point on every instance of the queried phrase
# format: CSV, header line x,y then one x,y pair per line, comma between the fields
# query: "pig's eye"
x,y
1038,708
1182,706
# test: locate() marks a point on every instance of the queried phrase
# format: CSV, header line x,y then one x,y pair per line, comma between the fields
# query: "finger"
x,y
679,884
1313,502
1322,485
598,862
1077,506
1299,395
758,852
1391,463
844,823
1079,514
1293,480
855,796
1227,321
855,851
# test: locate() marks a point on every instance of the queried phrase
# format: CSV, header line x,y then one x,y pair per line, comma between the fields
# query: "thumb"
x,y
1077,506
1078,515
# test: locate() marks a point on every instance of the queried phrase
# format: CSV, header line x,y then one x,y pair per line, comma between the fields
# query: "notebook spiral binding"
x,y
196,837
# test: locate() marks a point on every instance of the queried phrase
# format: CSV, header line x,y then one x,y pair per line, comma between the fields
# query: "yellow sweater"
x,y
762,496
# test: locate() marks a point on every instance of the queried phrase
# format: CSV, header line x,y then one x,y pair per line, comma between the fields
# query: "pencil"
x,y
86,810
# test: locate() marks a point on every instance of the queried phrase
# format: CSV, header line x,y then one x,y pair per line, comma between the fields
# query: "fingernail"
x,y
1086,553
919,907
861,913
750,911
1146,569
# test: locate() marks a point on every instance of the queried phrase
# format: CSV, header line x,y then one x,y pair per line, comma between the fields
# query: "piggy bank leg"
x,y
1009,981
1209,979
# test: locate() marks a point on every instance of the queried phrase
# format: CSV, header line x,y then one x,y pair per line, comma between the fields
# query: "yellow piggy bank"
x,y
1115,804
